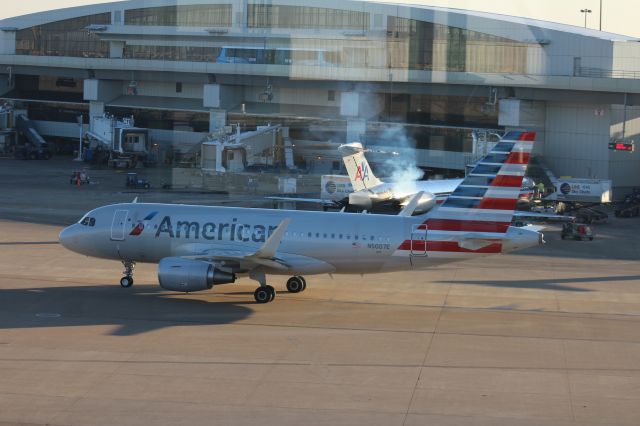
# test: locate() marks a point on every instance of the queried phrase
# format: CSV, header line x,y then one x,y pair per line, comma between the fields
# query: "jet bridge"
x,y
125,144
35,147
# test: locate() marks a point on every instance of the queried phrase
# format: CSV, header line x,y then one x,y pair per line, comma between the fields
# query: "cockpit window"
x,y
88,221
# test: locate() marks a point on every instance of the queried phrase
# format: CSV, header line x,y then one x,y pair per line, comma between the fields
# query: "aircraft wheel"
x,y
264,294
272,293
296,284
126,282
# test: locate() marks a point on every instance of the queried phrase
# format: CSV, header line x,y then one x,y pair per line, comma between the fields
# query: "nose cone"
x,y
68,237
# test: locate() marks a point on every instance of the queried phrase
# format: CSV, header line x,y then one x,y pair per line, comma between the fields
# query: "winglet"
x,y
411,205
269,248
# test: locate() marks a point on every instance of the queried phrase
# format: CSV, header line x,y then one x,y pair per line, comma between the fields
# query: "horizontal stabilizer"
x,y
475,243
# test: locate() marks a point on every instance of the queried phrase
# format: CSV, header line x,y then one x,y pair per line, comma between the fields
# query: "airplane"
x,y
198,247
368,193
372,194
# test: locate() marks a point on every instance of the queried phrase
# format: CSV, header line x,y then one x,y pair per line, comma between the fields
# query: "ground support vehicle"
x,y
133,181
577,231
630,207
79,177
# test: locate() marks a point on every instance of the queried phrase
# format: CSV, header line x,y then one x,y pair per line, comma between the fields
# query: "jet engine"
x,y
385,202
177,274
426,203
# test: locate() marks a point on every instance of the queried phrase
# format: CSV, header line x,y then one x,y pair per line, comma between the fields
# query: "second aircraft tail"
x,y
357,166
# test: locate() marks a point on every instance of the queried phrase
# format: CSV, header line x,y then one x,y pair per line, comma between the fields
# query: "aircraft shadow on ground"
x,y
133,311
547,284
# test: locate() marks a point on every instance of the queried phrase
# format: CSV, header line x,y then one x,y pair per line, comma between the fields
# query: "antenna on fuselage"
x,y
135,200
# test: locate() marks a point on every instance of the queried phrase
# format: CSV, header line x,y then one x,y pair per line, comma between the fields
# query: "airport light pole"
x,y
585,11
600,15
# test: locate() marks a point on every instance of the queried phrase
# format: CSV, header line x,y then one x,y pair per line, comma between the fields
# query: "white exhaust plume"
x,y
401,169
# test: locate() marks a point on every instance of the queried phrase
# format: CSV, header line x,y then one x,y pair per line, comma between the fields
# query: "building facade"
x,y
388,75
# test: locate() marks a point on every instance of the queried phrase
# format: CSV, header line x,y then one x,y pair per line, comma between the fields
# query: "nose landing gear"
x,y
127,280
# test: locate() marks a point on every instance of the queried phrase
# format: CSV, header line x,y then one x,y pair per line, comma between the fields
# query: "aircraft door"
x,y
419,239
118,225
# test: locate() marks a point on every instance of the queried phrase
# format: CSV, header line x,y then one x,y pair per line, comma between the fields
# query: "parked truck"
x,y
580,197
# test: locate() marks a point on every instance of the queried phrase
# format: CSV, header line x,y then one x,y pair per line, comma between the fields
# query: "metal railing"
x,y
605,73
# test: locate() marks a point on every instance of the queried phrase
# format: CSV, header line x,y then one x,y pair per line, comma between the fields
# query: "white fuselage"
x,y
314,242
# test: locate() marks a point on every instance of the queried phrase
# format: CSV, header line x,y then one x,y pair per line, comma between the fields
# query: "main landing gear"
x,y
266,293
296,284
127,280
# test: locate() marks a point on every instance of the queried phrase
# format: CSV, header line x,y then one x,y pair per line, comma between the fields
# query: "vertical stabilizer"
x,y
476,217
360,172
486,199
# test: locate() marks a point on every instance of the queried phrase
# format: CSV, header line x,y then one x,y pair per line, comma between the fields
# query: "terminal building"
x,y
332,72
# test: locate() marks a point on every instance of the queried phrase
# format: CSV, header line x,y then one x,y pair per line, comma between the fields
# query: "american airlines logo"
x,y
233,231
141,224
362,172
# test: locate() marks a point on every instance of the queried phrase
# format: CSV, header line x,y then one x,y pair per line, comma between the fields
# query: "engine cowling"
x,y
177,274
426,203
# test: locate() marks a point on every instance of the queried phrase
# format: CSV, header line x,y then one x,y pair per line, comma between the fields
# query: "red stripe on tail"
x,y
507,181
466,225
528,136
498,203
518,158
449,246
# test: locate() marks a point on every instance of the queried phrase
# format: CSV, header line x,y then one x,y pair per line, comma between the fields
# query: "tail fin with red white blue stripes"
x,y
475,218
486,199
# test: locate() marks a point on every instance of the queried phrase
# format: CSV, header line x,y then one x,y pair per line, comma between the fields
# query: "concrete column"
x,y
96,109
8,42
116,49
356,127
217,119
5,84
356,107
98,93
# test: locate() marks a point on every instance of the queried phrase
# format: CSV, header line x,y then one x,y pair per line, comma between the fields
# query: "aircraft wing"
x,y
266,256
326,203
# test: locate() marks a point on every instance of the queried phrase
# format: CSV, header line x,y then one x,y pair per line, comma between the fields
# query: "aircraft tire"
x,y
295,284
304,282
272,293
126,282
263,294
